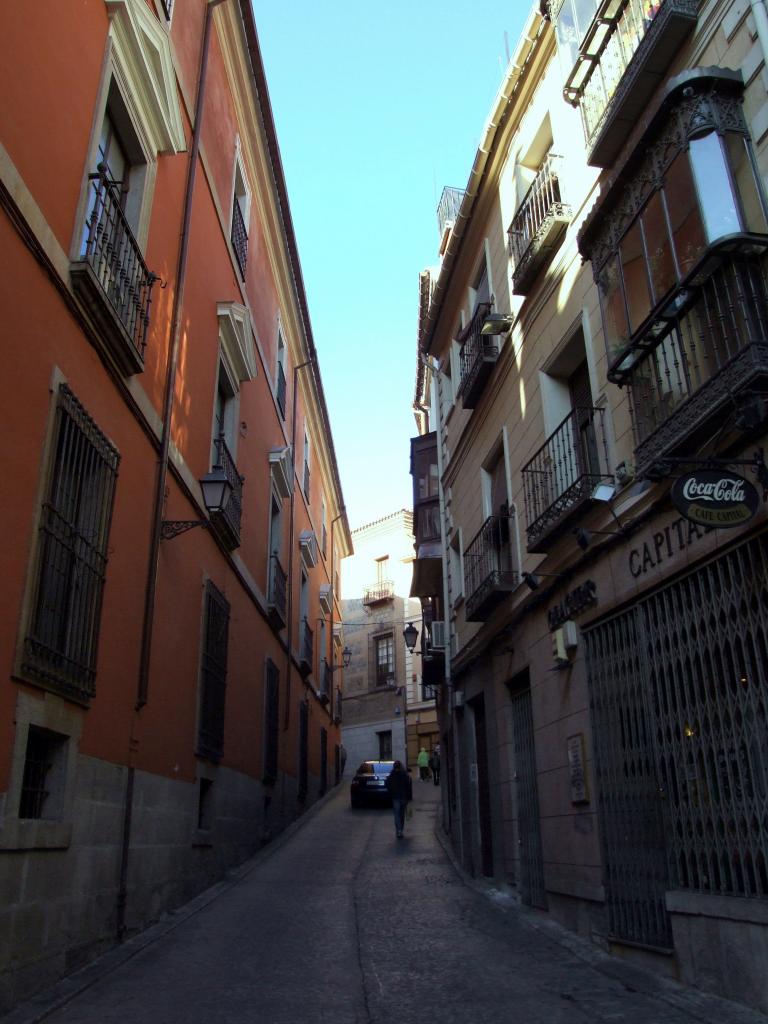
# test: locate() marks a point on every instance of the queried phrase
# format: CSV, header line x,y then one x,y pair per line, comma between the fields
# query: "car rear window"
x,y
375,768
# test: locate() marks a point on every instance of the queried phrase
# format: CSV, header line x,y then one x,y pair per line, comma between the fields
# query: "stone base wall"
x,y
58,906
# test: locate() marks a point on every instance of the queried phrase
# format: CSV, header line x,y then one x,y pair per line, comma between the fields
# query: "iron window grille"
x,y
239,236
210,738
112,267
307,655
43,748
60,647
271,722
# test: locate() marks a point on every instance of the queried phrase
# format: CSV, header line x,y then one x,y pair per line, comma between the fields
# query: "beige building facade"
x,y
593,358
385,713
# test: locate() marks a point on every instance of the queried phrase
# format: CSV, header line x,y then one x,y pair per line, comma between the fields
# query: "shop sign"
x,y
715,497
575,602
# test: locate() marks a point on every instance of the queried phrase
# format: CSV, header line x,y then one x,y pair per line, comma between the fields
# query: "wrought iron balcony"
x,y
281,389
385,675
449,206
383,590
278,590
307,649
714,356
538,225
307,478
621,61
239,237
111,276
227,523
559,480
479,354
489,571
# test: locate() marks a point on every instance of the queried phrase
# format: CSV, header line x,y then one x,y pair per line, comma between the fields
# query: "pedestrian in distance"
x,y
423,762
400,788
342,760
434,764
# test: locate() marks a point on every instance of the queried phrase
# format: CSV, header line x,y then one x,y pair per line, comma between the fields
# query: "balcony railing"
x,y
385,675
239,237
715,354
307,478
621,62
383,590
167,8
479,354
449,206
227,523
538,224
278,591
489,568
307,649
281,389
337,710
111,276
559,480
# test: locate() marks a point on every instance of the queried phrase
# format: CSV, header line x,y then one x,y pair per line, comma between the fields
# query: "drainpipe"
x,y
291,523
162,467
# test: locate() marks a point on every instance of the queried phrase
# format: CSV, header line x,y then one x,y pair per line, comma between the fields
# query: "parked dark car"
x,y
369,786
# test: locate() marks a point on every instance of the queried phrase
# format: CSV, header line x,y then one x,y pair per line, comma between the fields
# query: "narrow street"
x,y
340,922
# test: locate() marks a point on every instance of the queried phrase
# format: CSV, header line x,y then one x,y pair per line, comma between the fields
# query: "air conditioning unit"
x,y
437,630
565,640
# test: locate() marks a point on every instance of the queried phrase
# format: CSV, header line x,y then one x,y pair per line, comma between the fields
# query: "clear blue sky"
x,y
377,107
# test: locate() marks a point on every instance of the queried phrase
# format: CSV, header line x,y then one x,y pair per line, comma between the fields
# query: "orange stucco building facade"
x,y
168,692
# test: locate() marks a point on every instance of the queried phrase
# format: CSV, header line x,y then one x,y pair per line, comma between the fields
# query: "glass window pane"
x,y
684,215
714,187
584,11
748,188
661,265
635,277
567,37
612,304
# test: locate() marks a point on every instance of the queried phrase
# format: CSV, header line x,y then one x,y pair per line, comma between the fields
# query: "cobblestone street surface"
x,y
341,923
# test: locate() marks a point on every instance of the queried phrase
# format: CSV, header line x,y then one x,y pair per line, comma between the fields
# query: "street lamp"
x,y
217,490
410,635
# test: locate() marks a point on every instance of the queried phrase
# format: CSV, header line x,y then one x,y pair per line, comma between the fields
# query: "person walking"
x,y
434,764
423,762
400,788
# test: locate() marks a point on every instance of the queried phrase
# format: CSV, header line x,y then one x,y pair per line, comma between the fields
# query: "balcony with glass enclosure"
x,y
615,54
680,269
448,210
538,225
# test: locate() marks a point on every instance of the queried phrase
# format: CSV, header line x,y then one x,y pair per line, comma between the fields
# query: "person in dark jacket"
x,y
434,764
400,788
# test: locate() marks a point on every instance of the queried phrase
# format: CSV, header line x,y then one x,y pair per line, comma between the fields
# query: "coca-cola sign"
x,y
715,497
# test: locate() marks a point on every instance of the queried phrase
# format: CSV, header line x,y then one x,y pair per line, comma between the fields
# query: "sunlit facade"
x,y
592,348
174,515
